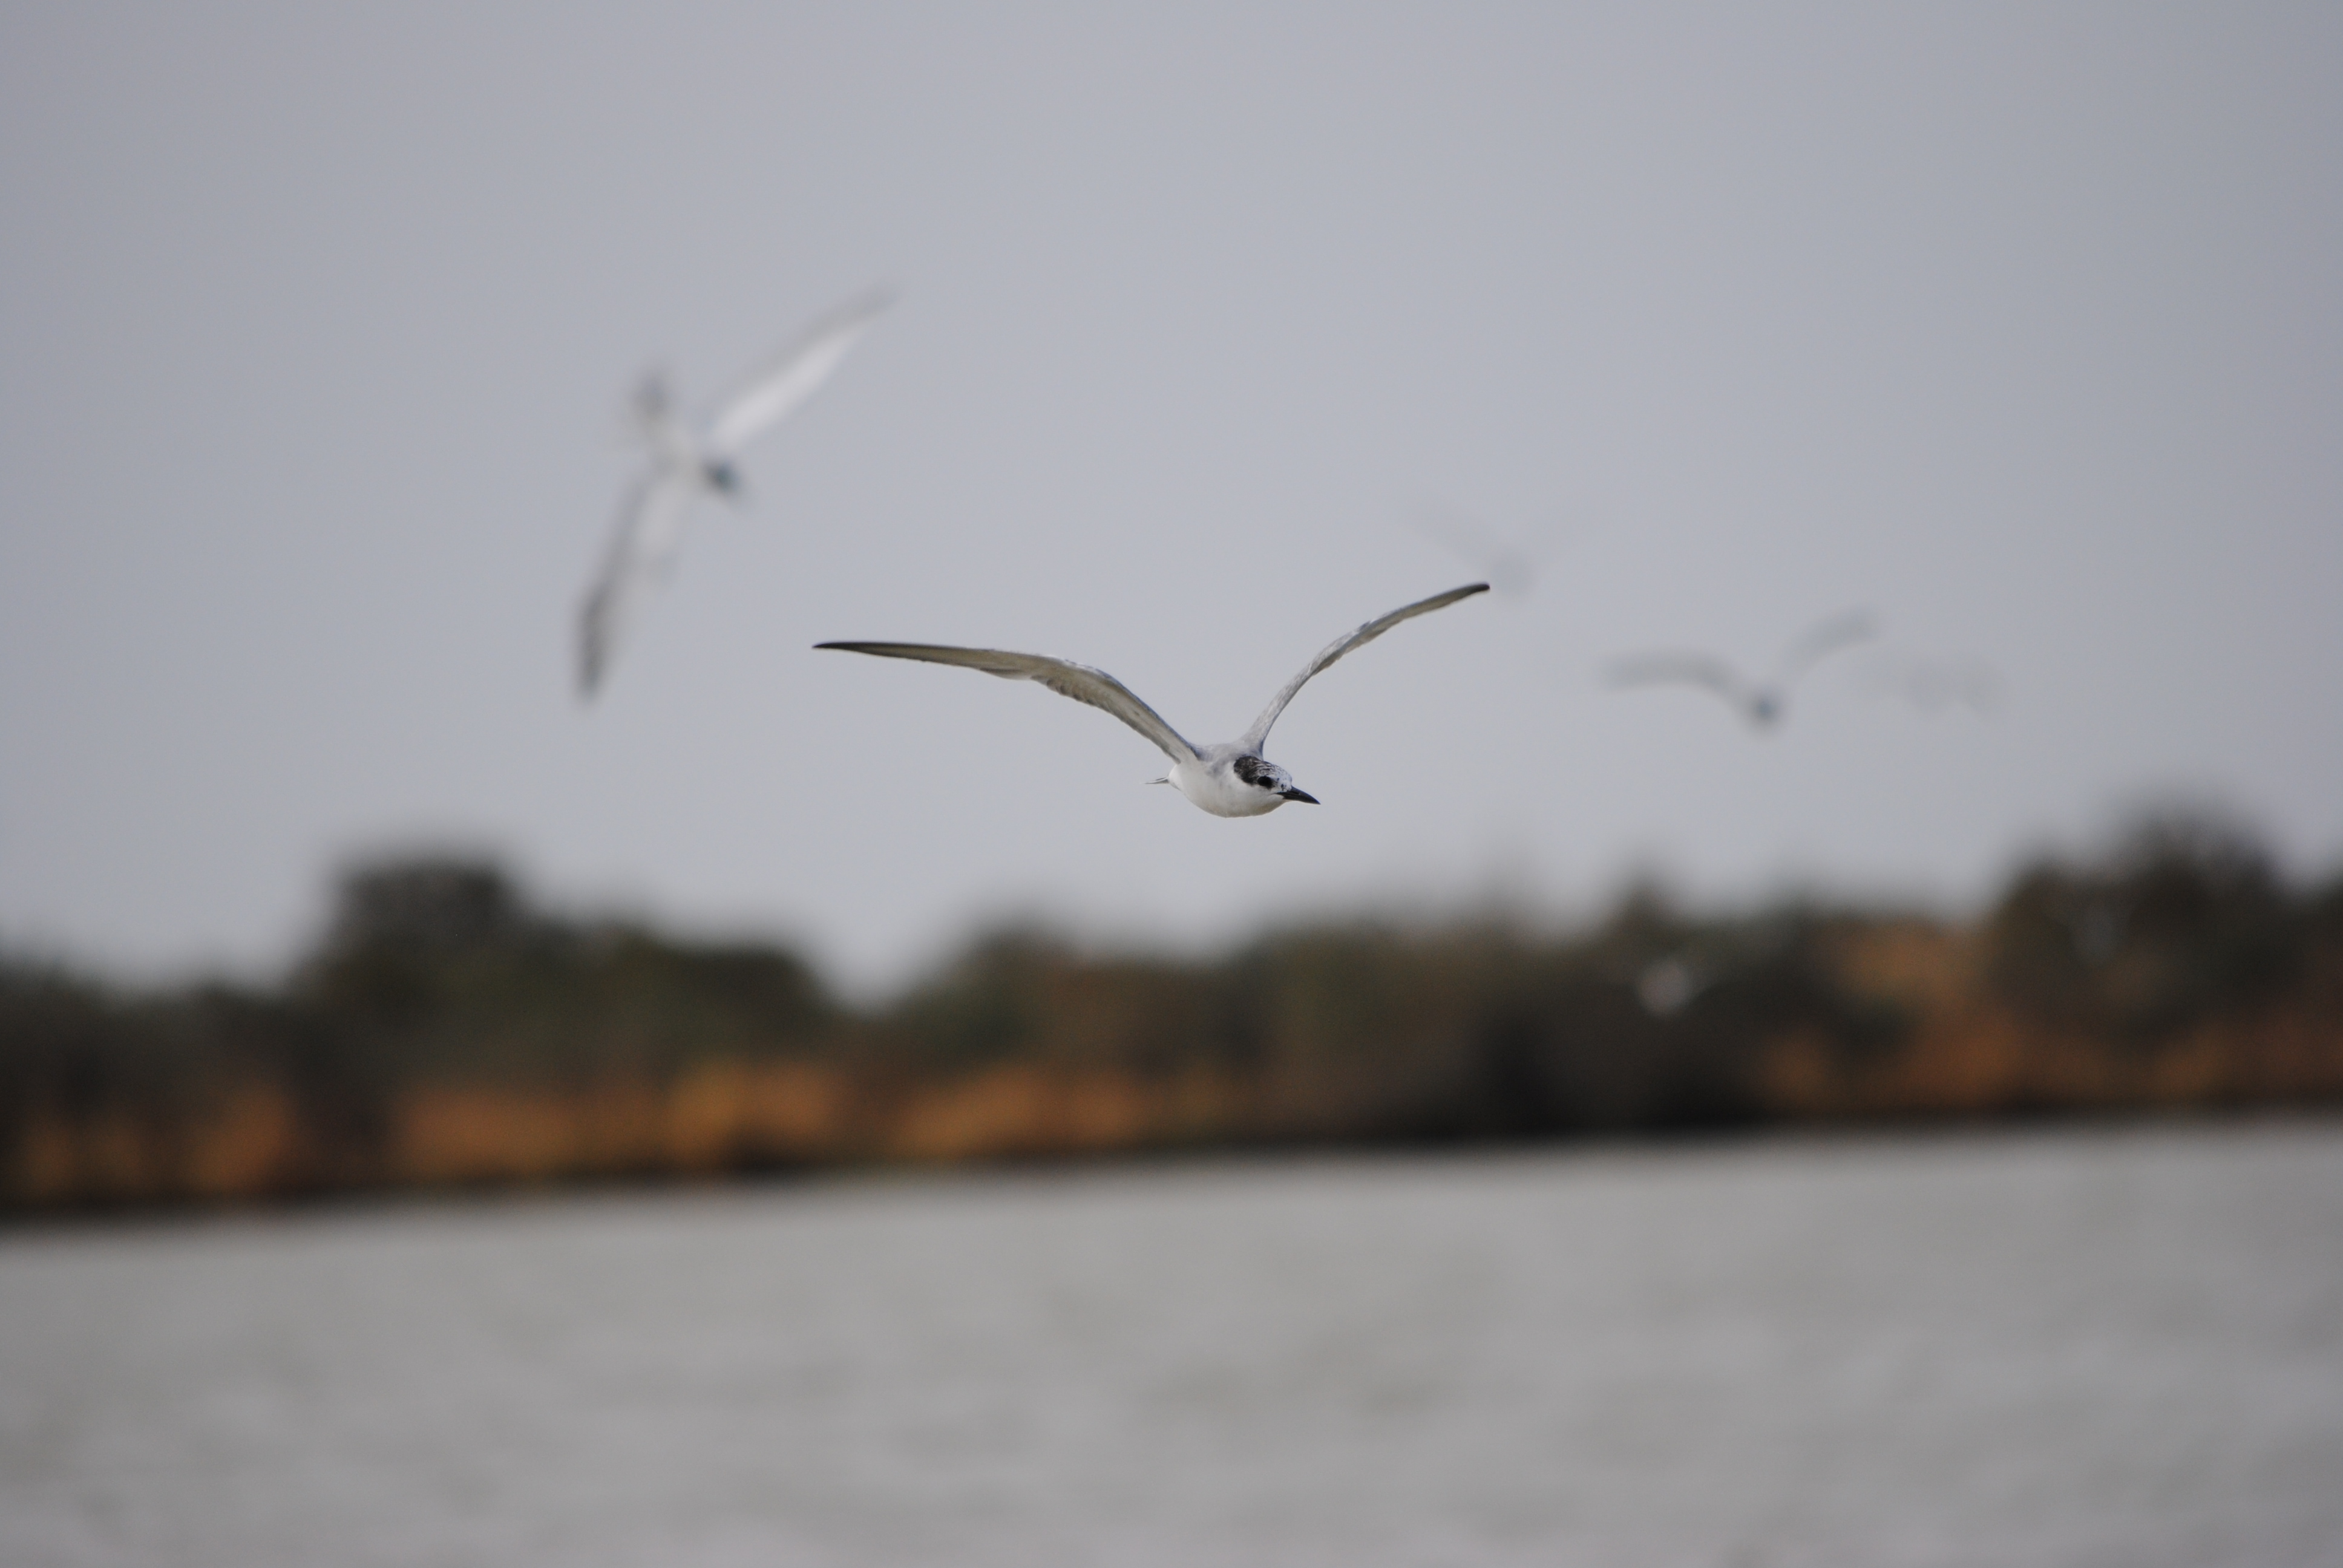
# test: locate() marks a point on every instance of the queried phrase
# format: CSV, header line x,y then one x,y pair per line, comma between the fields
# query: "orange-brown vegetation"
x,y
446,1033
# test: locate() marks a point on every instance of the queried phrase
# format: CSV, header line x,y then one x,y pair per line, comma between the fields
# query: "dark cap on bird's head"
x,y
1264,774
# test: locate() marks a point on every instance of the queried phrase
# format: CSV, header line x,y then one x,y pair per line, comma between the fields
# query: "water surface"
x,y
2073,1349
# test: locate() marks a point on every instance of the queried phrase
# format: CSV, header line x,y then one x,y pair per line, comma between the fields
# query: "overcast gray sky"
x,y
2018,325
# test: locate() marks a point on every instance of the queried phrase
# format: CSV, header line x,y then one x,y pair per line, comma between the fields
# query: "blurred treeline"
x,y
445,1030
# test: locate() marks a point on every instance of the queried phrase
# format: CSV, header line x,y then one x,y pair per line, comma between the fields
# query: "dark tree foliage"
x,y
441,972
431,972
67,1042
72,1050
2186,918
1374,1031
427,909
992,1003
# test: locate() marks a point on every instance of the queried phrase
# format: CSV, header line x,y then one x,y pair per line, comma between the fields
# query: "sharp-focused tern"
x,y
1230,779
1763,703
691,459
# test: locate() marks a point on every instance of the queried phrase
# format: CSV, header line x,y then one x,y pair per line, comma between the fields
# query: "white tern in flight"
x,y
1763,703
1230,779
688,460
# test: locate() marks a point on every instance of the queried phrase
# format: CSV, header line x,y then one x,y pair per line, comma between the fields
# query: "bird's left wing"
x,y
1689,669
1064,677
1342,645
769,396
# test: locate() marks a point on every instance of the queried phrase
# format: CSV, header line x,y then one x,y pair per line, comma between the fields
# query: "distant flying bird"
x,y
688,460
1504,559
1763,703
1668,985
1230,779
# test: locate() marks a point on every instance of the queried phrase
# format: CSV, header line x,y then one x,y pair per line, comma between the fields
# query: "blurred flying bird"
x,y
691,459
1666,986
1230,779
1763,703
1504,559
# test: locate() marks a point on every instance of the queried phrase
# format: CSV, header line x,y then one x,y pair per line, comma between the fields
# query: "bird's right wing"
x,y
1823,638
642,551
1344,643
773,393
1681,669
1064,677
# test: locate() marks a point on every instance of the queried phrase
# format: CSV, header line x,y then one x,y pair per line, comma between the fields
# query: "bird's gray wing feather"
x,y
769,396
1823,638
1064,677
1679,669
641,552
1654,668
1342,645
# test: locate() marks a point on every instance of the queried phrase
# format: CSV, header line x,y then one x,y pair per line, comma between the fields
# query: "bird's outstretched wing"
x,y
768,397
1064,677
1342,645
1681,669
642,550
1823,638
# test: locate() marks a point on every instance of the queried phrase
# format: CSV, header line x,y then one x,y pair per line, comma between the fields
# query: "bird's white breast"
x,y
1218,789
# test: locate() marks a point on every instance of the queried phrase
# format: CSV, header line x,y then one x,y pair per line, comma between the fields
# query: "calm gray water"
x,y
2118,1349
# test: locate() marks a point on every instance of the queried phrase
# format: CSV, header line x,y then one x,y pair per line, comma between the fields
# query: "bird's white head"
x,y
1274,784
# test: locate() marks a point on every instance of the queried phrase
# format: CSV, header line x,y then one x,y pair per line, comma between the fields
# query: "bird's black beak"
x,y
1307,799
